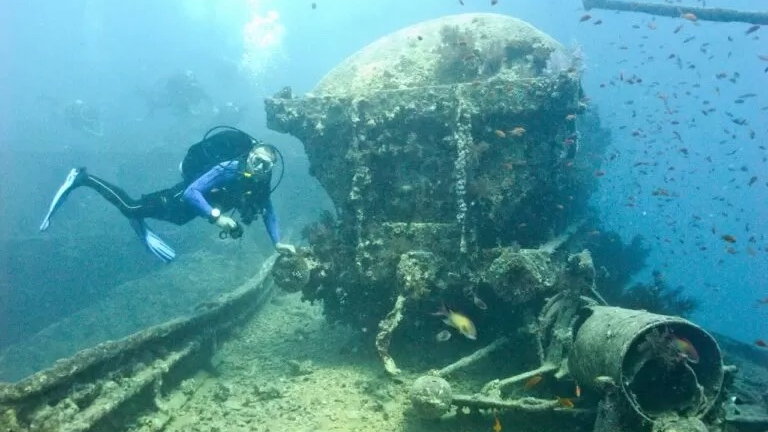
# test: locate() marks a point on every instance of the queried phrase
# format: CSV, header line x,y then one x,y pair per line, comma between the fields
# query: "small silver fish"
x,y
479,302
443,336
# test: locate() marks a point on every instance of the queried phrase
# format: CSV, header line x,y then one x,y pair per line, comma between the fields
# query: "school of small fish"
x,y
668,98
664,135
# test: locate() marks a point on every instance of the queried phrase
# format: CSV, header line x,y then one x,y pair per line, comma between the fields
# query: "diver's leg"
x,y
149,206
166,205
155,205
134,210
128,206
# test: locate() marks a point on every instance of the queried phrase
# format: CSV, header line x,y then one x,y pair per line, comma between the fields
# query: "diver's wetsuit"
x,y
165,204
223,185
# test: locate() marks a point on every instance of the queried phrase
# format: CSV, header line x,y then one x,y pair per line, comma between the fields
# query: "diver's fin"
x,y
71,182
159,247
155,245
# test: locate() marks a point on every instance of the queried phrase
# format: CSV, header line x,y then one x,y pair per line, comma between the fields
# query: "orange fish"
x,y
686,348
496,424
532,381
577,390
500,133
689,16
565,402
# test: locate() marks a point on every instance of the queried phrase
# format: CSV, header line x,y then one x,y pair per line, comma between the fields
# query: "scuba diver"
x,y
228,113
182,94
83,117
227,170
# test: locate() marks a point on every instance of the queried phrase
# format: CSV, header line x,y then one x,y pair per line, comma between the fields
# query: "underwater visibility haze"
x,y
451,215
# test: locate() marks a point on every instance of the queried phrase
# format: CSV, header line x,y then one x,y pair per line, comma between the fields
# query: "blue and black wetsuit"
x,y
226,187
223,187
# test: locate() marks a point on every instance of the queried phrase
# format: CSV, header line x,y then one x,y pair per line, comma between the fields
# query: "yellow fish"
x,y
458,321
496,424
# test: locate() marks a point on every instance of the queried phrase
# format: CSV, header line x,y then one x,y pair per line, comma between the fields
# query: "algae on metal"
x,y
451,152
420,162
99,388
637,350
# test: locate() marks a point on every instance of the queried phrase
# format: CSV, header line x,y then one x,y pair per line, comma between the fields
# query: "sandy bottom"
x,y
289,370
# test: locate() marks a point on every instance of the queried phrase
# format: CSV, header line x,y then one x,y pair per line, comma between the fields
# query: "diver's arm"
x,y
217,176
270,222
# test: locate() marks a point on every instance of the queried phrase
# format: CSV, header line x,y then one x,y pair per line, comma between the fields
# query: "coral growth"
x,y
565,61
659,297
465,57
460,59
618,262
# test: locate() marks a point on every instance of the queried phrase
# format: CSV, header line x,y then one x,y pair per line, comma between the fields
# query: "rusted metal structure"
x,y
675,11
102,388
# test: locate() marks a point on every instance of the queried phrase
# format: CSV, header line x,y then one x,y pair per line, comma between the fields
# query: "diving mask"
x,y
260,162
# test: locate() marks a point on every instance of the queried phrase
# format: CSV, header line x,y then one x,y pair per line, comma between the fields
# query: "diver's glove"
x,y
226,223
285,249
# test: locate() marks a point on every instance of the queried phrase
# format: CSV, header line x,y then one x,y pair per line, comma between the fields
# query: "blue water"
x,y
112,54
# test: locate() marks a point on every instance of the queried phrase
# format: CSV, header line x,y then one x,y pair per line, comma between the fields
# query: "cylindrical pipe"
x,y
661,364
706,14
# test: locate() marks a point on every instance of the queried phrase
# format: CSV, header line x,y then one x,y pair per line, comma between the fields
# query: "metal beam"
x,y
101,385
704,14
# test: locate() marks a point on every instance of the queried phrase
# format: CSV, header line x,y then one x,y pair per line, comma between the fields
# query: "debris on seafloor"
x,y
454,176
100,387
421,185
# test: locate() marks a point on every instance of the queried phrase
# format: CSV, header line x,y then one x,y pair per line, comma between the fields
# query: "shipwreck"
x,y
459,155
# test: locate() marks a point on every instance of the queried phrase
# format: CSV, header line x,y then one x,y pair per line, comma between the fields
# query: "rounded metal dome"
x,y
448,50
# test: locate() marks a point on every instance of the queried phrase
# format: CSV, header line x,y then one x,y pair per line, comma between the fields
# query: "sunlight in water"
x,y
262,38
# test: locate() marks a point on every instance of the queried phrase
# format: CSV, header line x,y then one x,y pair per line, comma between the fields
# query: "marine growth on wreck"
x,y
460,158
429,170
